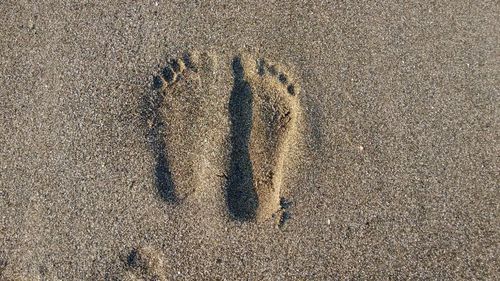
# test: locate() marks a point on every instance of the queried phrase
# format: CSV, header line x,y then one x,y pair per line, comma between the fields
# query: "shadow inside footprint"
x,y
240,193
152,117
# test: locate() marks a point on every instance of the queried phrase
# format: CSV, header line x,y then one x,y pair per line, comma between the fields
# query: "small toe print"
x,y
272,70
168,74
283,79
261,67
191,60
175,65
291,89
157,82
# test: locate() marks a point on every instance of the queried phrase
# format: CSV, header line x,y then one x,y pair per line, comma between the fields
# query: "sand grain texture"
x,y
391,171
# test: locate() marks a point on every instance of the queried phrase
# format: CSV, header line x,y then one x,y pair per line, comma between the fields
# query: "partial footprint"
x,y
7,273
143,264
263,109
174,118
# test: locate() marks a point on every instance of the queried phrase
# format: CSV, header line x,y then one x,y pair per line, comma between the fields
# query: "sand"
x,y
390,172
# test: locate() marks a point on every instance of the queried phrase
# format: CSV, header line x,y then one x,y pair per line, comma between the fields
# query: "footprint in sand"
x,y
143,264
173,114
263,108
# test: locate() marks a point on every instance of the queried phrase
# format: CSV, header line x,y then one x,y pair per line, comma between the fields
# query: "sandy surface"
x,y
395,174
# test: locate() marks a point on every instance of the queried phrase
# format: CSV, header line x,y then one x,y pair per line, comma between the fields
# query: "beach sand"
x,y
249,140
